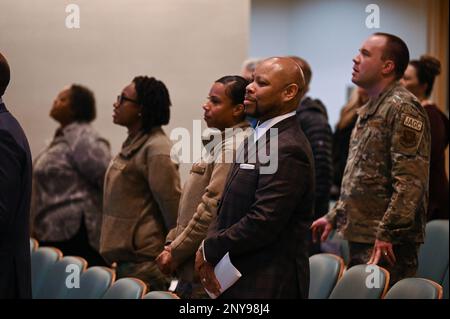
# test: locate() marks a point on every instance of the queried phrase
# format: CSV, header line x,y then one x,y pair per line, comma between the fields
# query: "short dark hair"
x,y
4,74
397,51
82,102
235,87
154,97
427,69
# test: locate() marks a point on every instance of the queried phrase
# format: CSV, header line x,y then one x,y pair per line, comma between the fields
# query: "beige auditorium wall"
x,y
185,43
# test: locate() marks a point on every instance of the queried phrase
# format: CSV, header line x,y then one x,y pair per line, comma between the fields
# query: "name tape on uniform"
x,y
413,123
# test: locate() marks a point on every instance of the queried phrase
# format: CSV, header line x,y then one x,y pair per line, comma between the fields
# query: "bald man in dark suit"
x,y
265,211
15,193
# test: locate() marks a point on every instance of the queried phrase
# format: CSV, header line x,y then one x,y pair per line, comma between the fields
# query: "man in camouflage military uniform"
x,y
382,207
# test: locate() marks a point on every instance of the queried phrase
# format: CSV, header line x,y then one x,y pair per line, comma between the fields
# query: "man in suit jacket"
x,y
15,193
264,214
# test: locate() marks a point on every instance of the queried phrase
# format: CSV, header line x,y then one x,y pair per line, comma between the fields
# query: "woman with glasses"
x,y
223,110
68,179
142,185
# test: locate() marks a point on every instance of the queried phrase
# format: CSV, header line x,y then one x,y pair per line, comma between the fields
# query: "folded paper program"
x,y
226,274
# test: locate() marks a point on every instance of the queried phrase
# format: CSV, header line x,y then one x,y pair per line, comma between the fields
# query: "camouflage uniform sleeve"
x,y
410,152
331,215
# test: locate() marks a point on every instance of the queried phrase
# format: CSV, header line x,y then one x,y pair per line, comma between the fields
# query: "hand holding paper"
x,y
226,274
206,273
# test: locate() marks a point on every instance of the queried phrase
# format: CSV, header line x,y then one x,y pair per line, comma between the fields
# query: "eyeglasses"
x,y
122,97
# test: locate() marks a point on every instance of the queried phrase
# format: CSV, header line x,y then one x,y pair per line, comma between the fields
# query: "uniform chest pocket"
x,y
198,168
115,168
361,146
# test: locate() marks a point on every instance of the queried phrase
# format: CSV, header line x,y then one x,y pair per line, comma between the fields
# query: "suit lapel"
x,y
243,154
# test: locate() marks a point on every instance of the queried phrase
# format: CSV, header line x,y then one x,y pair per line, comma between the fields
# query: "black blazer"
x,y
263,220
15,193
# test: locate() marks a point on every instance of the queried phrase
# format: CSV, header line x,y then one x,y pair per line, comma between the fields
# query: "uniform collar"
x,y
371,107
132,145
212,141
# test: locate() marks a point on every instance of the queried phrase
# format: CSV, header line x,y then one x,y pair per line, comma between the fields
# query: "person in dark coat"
x,y
313,118
265,211
15,195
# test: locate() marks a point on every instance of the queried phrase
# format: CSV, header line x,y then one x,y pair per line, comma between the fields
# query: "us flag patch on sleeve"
x,y
413,123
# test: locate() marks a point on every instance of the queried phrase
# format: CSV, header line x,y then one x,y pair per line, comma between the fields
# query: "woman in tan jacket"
x,y
142,185
224,110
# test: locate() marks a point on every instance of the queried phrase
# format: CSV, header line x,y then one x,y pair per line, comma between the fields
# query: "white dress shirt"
x,y
262,128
